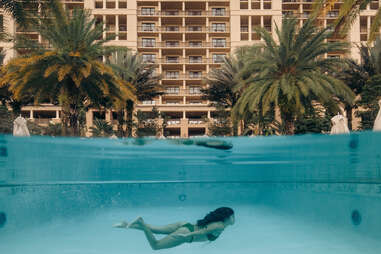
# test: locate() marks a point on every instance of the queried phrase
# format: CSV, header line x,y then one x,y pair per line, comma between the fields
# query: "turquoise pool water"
x,y
304,194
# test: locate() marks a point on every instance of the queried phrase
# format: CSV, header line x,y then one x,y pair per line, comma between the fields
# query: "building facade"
x,y
185,39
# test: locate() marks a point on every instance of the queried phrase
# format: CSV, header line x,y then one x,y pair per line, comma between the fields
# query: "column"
x,y
117,27
250,28
57,114
108,116
31,114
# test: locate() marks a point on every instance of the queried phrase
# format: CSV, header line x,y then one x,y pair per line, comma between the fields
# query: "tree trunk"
x,y
120,117
349,109
289,123
130,109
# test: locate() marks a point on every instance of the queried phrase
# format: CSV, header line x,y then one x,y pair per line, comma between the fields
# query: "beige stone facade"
x,y
185,39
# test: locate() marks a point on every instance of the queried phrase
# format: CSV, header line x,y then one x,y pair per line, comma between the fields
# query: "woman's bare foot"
x,y
122,224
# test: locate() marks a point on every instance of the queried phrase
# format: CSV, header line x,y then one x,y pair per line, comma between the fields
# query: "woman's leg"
x,y
166,229
169,241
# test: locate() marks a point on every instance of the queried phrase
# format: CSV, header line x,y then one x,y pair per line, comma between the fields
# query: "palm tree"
x,y
349,11
140,75
69,69
291,73
18,8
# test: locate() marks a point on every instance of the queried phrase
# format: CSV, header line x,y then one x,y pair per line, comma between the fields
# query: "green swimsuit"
x,y
190,226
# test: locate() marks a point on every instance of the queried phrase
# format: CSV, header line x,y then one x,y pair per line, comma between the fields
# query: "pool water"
x,y
303,194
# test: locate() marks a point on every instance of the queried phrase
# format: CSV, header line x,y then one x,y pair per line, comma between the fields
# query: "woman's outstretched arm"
x,y
211,228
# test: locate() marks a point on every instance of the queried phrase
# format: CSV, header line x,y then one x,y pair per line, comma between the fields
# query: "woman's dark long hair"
x,y
220,214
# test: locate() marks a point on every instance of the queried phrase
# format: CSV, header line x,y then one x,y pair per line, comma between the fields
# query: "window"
x,y
148,42
218,58
218,11
195,59
148,11
148,102
172,28
194,13
122,4
172,90
148,27
172,44
173,74
219,42
149,58
98,4
195,44
195,74
219,27
194,28
195,90
172,59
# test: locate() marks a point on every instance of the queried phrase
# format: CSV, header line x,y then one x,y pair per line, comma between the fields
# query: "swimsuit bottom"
x,y
190,227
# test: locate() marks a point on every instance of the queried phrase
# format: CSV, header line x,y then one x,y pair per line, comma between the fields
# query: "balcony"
x,y
171,44
219,13
172,29
332,14
148,12
147,44
172,91
195,29
173,122
195,121
122,28
172,60
169,13
195,75
195,44
149,29
219,29
219,44
196,13
195,60
150,60
172,75
244,29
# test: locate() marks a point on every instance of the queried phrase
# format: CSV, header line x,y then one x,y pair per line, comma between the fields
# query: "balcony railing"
x,y
172,75
195,121
195,29
148,13
177,60
219,29
218,13
184,44
110,27
195,75
173,122
244,29
122,28
148,29
196,13
172,29
149,60
150,44
177,13
172,13
195,60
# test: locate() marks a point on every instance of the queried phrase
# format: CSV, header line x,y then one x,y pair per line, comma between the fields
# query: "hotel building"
x,y
185,39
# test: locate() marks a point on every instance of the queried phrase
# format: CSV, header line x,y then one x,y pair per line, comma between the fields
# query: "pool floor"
x,y
257,230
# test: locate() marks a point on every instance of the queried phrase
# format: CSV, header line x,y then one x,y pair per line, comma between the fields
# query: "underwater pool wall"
x,y
320,178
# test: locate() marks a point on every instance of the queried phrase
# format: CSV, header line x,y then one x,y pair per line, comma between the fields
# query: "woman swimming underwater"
x,y
207,229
